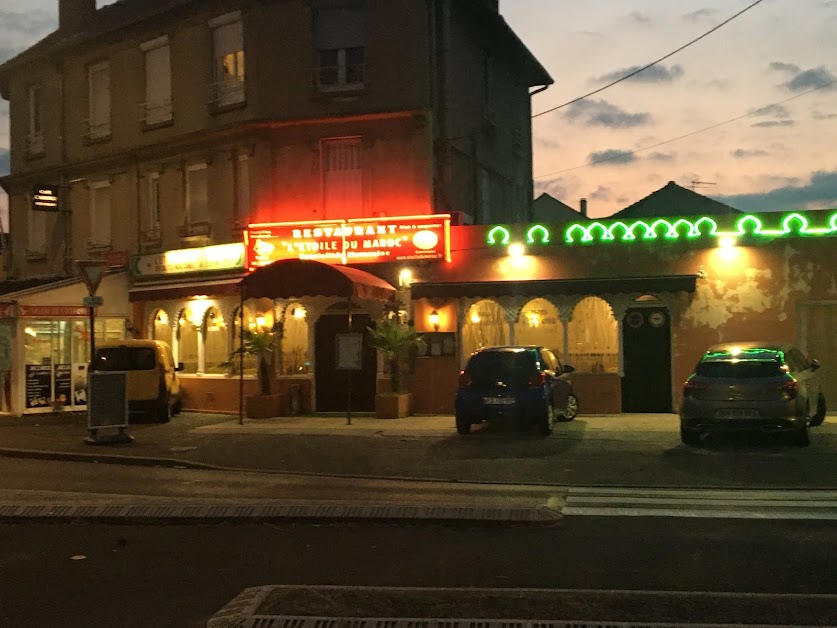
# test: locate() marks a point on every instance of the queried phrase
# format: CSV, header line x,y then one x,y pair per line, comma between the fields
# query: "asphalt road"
x,y
89,574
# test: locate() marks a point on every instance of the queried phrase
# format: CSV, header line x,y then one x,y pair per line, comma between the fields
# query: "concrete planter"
x,y
393,405
264,406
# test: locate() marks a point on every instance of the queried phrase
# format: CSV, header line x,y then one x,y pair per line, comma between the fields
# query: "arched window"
x,y
539,324
161,327
593,337
484,326
187,341
216,350
295,341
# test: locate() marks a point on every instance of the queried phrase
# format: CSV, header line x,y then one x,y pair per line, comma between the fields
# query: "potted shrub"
x,y
261,345
398,342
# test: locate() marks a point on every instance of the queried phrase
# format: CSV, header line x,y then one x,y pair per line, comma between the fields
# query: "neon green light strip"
x,y
793,224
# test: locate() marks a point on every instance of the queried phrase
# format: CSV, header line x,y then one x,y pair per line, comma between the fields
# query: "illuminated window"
x,y
538,324
295,342
484,326
228,52
216,350
161,327
187,342
593,337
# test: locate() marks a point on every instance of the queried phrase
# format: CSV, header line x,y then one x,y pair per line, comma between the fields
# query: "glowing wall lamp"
x,y
299,313
434,320
517,250
405,278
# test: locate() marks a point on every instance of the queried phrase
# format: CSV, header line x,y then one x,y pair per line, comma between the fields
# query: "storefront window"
x,y
161,327
258,316
593,337
109,329
216,351
295,342
538,324
187,342
484,326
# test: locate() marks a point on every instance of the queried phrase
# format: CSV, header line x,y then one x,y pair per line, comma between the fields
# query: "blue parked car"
x,y
523,383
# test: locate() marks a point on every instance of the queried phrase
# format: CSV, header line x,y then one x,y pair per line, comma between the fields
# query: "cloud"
x,y
701,15
654,74
819,115
664,157
556,188
603,113
820,192
4,161
601,193
744,153
640,18
773,123
777,111
809,79
545,142
781,66
611,156
30,23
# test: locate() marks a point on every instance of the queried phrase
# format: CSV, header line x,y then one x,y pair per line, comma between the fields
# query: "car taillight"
x,y
789,388
692,387
464,379
537,380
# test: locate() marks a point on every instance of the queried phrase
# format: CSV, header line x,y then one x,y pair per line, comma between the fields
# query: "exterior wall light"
x,y
405,278
517,250
727,242
299,313
434,320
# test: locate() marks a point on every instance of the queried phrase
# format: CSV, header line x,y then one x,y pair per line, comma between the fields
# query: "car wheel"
x,y
571,409
463,425
819,415
689,437
546,421
800,438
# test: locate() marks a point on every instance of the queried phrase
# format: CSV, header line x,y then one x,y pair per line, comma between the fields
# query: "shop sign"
x,y
194,260
38,385
355,241
64,384
45,198
52,311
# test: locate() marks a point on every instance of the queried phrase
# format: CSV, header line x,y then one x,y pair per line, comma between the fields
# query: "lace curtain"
x,y
593,337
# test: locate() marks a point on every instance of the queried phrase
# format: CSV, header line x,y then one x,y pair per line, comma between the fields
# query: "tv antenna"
x,y
700,184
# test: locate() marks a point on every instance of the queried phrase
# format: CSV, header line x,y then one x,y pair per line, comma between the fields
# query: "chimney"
x,y
73,14
583,207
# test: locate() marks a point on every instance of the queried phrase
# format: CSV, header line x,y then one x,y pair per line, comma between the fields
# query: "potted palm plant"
x,y
397,342
260,344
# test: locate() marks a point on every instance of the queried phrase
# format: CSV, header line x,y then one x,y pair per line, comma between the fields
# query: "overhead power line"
x,y
642,69
681,137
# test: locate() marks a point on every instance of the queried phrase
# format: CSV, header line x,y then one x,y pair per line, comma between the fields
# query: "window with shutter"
x,y
342,178
99,100
242,189
36,135
228,53
197,198
339,37
36,223
158,106
100,215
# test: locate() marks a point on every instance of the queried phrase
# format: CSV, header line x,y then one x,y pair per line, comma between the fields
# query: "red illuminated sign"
x,y
355,241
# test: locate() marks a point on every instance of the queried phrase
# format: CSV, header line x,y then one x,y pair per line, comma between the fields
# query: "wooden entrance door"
x,y
331,383
646,340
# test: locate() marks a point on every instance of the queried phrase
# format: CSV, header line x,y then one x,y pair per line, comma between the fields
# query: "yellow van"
x,y
153,387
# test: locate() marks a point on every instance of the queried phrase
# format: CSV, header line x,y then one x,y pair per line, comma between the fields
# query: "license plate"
x,y
498,401
737,413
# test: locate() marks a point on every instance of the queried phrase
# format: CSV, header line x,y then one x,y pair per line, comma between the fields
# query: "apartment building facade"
x,y
167,127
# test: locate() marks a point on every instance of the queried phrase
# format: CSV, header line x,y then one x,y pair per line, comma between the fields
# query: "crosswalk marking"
x,y
729,504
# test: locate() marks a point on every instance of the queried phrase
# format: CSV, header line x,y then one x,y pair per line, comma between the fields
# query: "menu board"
x,y
79,383
38,385
64,384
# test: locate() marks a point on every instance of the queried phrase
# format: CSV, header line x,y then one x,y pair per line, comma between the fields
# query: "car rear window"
x,y
125,359
740,369
514,366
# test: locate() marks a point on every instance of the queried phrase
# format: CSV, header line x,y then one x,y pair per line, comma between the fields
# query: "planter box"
x,y
264,406
393,405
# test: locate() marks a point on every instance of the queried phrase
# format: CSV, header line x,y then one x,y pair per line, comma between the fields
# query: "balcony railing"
x,y
227,92
35,144
96,130
153,114
338,78
195,230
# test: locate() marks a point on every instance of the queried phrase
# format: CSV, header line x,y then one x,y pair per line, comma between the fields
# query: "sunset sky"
x,y
783,156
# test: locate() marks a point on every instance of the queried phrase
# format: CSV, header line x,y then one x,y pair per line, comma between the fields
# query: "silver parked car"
x,y
752,386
